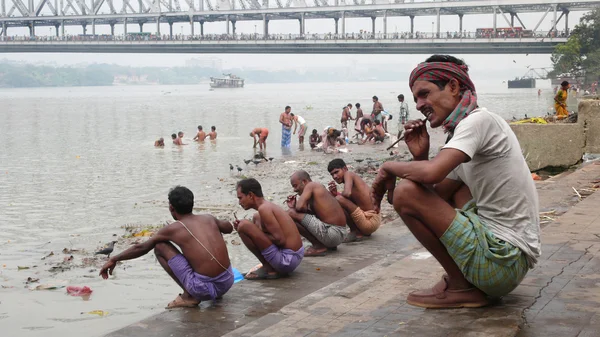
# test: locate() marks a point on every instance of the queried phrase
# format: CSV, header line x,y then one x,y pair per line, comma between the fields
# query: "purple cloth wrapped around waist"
x,y
199,286
283,260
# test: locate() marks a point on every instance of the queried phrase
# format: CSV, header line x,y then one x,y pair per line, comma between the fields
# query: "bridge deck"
x,y
333,46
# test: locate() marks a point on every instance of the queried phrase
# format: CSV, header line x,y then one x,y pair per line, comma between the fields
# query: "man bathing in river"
x,y
474,206
318,216
298,120
177,140
355,199
212,135
346,115
201,135
271,236
160,142
202,268
286,127
262,134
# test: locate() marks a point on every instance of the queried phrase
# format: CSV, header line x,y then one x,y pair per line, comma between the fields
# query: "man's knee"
x,y
404,194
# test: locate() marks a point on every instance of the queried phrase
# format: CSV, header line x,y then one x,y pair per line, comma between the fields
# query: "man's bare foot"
x,y
353,237
181,302
441,296
312,251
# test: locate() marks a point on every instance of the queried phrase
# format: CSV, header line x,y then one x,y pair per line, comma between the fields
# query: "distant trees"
x,y
580,56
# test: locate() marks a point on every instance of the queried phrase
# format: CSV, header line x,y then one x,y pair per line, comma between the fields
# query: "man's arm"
x,y
302,201
225,226
295,122
427,171
281,119
272,227
348,183
137,250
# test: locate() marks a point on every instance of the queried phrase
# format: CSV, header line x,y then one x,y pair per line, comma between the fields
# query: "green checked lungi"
x,y
494,266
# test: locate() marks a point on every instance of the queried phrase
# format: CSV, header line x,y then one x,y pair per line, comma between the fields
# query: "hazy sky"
x,y
399,24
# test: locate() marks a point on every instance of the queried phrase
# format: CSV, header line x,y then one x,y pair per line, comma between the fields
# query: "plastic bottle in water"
x,y
347,140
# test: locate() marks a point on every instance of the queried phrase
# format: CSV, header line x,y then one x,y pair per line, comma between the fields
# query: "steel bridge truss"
x,y
31,13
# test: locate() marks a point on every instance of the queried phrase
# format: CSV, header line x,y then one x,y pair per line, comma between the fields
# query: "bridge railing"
x,y
288,37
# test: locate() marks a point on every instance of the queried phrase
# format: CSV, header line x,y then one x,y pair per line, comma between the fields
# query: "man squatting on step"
x,y
474,206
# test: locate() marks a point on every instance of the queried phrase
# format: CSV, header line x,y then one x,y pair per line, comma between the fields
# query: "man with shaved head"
x,y
318,215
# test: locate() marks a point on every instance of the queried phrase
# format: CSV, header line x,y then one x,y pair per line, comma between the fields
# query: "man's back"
x,y
325,206
285,223
499,179
213,135
201,135
205,228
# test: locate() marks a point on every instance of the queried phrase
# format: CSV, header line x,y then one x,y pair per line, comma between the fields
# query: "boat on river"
x,y
228,81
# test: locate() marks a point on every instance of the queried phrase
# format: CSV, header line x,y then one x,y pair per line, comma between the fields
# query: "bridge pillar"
x,y
344,23
202,28
4,29
84,26
62,28
31,29
460,18
373,25
438,24
227,22
301,24
233,27
192,26
412,25
512,19
265,26
112,29
57,31
141,26
170,30
566,21
158,26
93,26
337,21
125,26
495,20
385,24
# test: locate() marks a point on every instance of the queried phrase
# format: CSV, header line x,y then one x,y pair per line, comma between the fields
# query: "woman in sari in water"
x,y
560,101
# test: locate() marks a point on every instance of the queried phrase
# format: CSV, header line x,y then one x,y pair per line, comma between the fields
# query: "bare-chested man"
x,y
212,135
262,134
177,140
286,127
346,115
377,109
355,199
318,216
202,268
160,142
201,135
272,236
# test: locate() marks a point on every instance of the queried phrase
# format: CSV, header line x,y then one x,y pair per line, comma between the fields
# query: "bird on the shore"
x,y
109,249
391,153
256,162
247,161
239,169
526,116
359,160
271,158
230,167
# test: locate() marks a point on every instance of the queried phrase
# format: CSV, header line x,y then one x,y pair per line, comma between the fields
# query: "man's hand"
x,y
236,224
417,139
291,201
108,268
333,188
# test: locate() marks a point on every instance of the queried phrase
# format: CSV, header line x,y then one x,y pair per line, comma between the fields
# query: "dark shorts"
x,y
201,287
283,260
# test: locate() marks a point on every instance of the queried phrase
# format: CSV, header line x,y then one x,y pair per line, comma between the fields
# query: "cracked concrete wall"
x,y
561,145
544,145
589,115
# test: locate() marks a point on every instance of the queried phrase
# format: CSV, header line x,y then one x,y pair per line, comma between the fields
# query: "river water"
x,y
77,164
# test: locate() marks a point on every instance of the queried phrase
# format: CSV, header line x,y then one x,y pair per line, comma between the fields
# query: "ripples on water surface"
x,y
78,163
